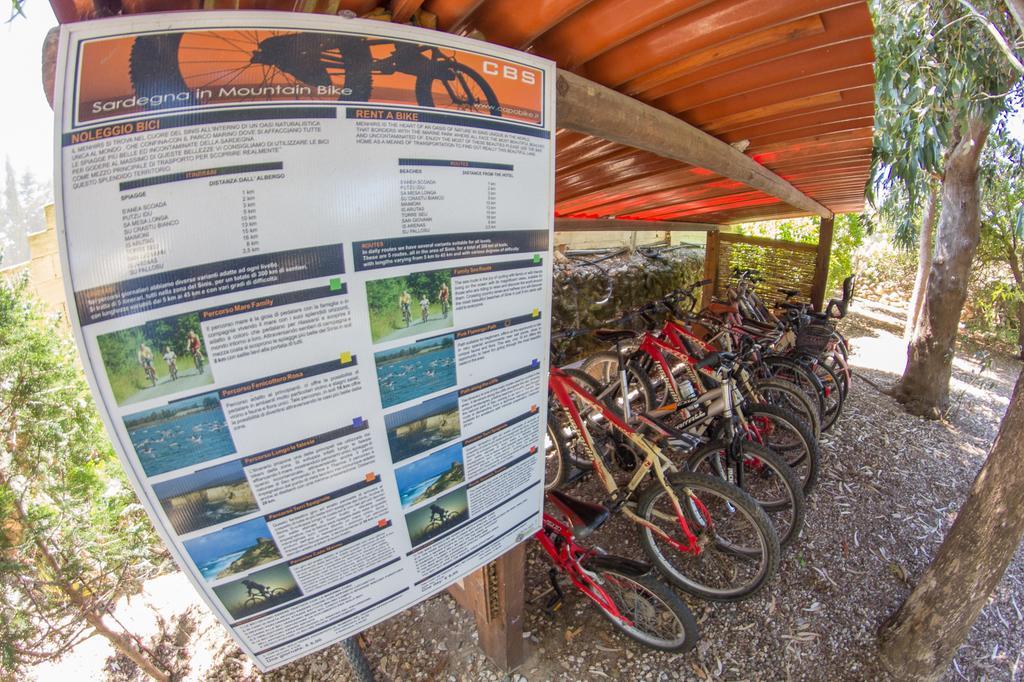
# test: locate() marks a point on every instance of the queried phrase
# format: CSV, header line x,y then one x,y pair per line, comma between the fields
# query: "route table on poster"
x,y
309,266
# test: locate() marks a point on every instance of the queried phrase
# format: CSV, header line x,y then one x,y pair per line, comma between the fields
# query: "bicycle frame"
x,y
675,333
392,62
787,341
563,388
700,410
708,403
567,556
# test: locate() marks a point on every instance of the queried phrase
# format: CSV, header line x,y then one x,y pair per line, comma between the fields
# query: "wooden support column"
x,y
711,255
494,595
821,263
588,107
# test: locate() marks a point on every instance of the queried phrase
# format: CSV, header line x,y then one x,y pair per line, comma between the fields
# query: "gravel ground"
x,y
889,489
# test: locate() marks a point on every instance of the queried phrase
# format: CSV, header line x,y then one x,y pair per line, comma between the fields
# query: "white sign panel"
x,y
309,266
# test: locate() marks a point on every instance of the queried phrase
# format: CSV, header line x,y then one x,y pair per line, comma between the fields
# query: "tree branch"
x,y
1017,10
1001,41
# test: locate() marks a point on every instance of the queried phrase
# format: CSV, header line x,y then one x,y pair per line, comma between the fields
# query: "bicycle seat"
x,y
615,335
837,307
586,517
722,308
789,293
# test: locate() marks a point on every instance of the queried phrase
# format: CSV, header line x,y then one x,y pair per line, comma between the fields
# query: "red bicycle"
x,y
629,596
664,379
704,534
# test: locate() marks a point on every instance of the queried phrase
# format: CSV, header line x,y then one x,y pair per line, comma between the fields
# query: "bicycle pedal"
x,y
554,603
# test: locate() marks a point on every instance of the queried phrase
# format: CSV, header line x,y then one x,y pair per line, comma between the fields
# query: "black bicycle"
x,y
253,63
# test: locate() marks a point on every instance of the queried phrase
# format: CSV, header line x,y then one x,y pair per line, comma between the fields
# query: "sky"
x,y
26,120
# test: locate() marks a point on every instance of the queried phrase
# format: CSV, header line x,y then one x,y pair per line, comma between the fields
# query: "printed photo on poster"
x,y
161,357
409,305
258,591
421,368
430,476
435,518
422,427
180,434
207,497
234,549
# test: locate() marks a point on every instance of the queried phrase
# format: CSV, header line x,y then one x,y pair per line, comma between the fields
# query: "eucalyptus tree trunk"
x,y
920,639
1020,330
1017,10
924,261
1018,278
924,388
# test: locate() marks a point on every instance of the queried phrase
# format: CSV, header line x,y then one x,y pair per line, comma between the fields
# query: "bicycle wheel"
x,y
834,395
784,394
603,367
250,60
461,88
784,433
788,369
739,550
555,459
837,363
766,478
605,438
651,377
655,615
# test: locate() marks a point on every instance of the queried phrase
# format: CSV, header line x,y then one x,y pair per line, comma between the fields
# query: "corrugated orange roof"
x,y
793,80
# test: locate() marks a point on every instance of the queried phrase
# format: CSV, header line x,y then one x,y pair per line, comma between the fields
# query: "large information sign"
x,y
309,265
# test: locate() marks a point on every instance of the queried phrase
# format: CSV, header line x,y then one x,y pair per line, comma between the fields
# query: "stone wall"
x,y
636,280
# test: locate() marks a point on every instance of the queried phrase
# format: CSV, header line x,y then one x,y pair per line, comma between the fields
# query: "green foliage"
x,y
935,66
17,9
120,351
802,230
993,290
73,536
998,282
847,235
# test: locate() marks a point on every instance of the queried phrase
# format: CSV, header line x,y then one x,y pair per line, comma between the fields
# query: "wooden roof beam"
x,y
606,224
591,108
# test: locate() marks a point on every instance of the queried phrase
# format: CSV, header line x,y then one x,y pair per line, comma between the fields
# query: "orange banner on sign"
x,y
159,72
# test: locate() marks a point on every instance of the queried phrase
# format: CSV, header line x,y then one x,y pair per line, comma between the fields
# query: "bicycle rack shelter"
x,y
688,115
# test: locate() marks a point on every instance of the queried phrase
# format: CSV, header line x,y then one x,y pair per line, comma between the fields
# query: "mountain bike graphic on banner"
x,y
166,71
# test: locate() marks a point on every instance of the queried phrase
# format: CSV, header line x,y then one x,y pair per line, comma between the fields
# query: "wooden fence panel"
x,y
782,264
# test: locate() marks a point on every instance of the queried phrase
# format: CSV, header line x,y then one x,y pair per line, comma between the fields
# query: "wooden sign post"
x,y
494,595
